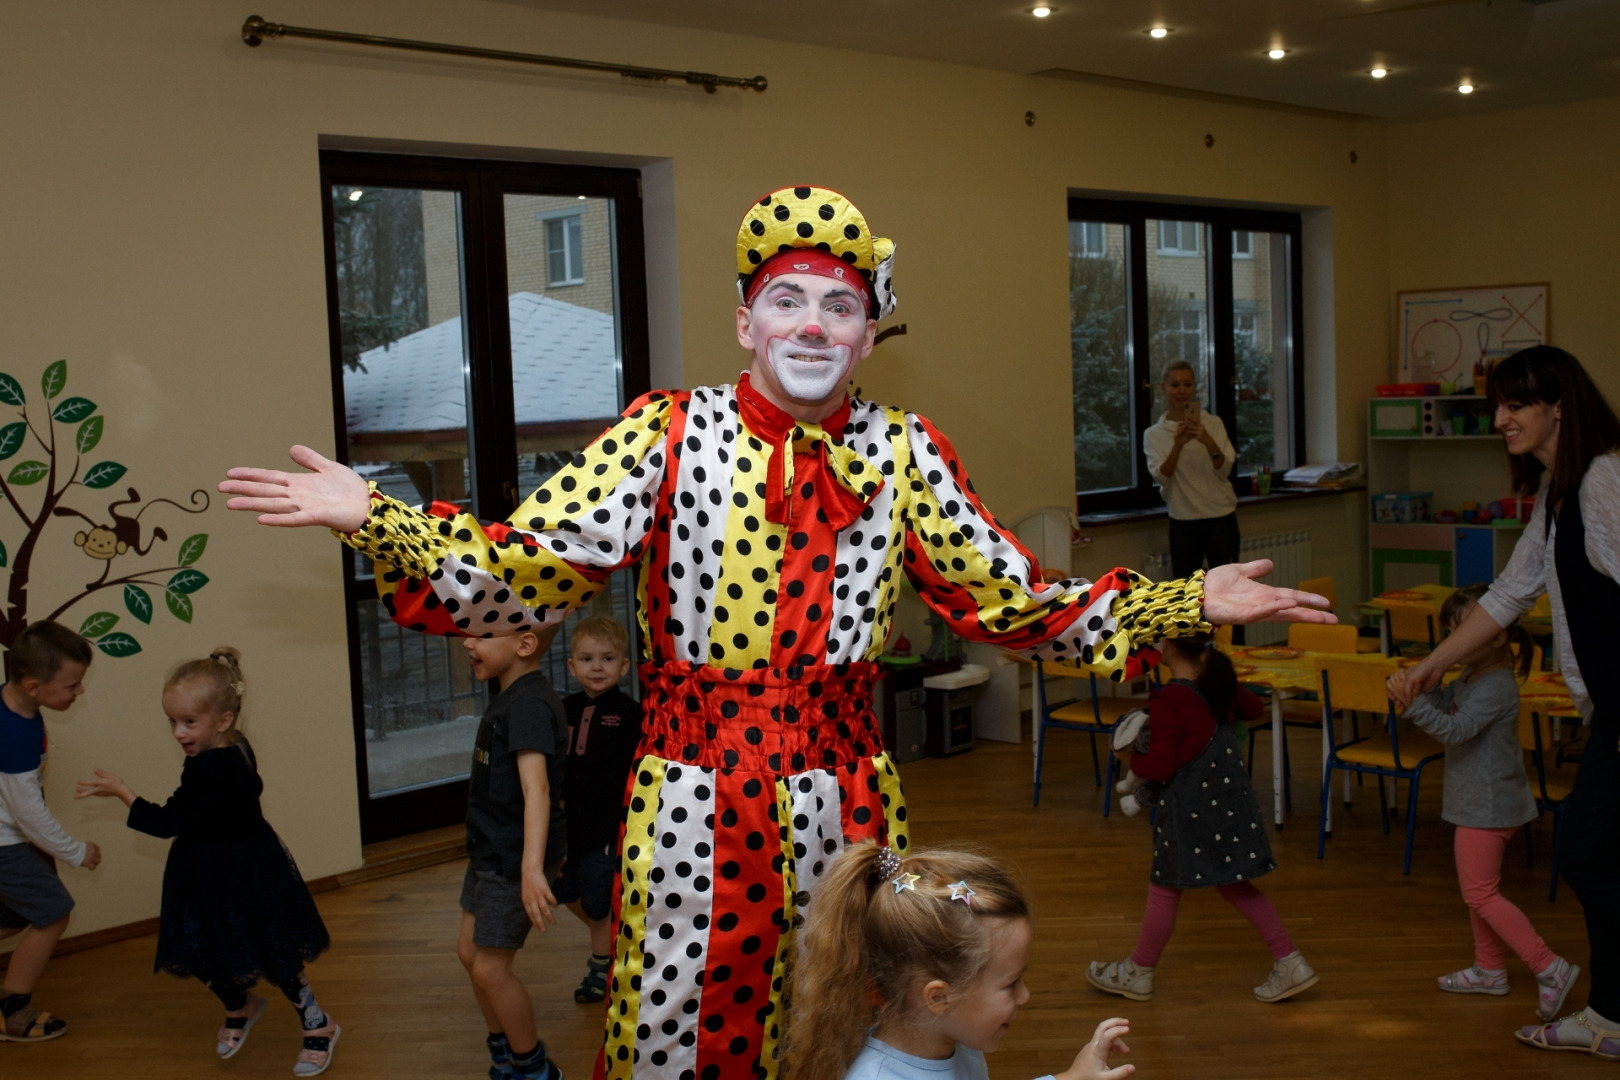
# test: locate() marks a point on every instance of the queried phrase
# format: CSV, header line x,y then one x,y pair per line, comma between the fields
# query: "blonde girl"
x,y
913,968
1488,797
235,909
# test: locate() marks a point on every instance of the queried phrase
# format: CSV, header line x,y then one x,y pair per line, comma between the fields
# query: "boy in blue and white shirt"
x,y
48,663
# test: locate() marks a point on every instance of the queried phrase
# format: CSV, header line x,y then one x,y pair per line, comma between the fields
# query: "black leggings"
x,y
1590,860
1191,541
234,996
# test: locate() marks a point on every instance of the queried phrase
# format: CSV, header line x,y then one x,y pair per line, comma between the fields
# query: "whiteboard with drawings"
x,y
1448,334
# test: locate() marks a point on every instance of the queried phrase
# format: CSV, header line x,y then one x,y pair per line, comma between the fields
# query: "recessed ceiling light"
x,y
1159,32
1465,88
1040,12
1378,72
1277,54
354,196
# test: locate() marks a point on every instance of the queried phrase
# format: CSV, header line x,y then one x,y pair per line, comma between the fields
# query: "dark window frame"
x,y
481,185
1222,222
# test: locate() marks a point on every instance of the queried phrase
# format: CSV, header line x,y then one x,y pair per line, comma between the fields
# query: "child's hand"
x,y
1092,1061
92,855
105,783
538,899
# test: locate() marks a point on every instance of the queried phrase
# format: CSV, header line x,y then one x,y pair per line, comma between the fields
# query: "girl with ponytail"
x,y
912,962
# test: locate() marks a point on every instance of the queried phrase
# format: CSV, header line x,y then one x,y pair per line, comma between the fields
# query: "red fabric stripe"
x,y
858,791
804,601
411,610
747,886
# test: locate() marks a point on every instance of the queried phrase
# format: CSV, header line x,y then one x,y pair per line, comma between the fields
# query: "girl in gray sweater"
x,y
1488,797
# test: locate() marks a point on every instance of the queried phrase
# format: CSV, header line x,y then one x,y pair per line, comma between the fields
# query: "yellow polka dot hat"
x,y
805,219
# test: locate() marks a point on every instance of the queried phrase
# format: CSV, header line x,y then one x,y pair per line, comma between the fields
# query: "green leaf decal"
x,y
2,554
118,644
73,410
11,439
28,472
103,475
191,548
10,390
188,581
179,604
98,624
89,434
138,602
54,379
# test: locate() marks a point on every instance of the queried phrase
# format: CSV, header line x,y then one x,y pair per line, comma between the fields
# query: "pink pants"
x,y
1496,920
1159,920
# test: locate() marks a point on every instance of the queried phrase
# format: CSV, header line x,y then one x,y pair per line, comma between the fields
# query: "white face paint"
x,y
809,374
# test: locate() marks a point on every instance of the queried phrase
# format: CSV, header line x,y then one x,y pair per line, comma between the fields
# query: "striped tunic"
x,y
770,556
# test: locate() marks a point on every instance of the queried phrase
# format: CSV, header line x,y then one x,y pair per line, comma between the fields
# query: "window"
x,y
1087,240
1147,289
1179,237
461,381
565,262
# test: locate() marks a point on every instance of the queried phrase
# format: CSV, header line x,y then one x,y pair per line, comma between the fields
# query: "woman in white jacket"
x,y
1191,459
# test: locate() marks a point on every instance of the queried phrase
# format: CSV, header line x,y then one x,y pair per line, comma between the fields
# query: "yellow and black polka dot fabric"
x,y
821,219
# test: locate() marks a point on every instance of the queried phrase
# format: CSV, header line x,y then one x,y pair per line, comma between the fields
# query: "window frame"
x,y
573,253
1222,222
1086,251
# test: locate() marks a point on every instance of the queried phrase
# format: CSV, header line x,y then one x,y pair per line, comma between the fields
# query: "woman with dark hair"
x,y
1562,438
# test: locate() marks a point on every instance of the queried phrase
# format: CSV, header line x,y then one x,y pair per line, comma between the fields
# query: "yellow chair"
x,y
1305,712
1358,684
1410,623
1550,784
1322,637
1323,586
1223,637
1094,716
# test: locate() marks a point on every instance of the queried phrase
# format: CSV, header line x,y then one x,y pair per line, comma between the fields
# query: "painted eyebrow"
x,y
788,285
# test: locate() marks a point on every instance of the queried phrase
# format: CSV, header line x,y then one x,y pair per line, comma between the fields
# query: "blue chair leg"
x,y
1383,803
1321,831
1096,767
1040,755
1411,820
1108,783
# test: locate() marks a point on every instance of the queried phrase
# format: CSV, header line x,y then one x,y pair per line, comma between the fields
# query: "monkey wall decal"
x,y
106,542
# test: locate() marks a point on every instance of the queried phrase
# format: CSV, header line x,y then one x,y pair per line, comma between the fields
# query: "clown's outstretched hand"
x,y
326,494
1231,595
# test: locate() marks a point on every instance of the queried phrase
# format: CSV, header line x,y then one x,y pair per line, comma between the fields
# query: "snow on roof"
x,y
564,367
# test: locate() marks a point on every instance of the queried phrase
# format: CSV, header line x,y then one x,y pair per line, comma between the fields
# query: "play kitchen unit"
x,y
1442,512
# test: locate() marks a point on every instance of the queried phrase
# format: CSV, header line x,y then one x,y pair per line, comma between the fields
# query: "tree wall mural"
x,y
56,439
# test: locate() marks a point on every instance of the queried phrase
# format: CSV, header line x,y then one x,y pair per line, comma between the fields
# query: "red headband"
x,y
807,261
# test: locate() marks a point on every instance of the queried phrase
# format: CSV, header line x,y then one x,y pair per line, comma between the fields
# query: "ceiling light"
x,y
1277,54
1040,12
1466,88
582,198
354,196
1378,72
1159,32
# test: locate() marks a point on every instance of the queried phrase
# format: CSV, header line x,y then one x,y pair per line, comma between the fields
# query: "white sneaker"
x,y
1289,976
1123,978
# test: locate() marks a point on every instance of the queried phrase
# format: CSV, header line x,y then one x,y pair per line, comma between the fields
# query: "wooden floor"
x,y
1377,938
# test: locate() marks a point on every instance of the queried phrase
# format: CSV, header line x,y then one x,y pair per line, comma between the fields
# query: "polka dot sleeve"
x,y
440,570
988,587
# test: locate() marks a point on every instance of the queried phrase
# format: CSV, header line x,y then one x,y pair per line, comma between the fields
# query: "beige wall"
x,y
163,233
1516,196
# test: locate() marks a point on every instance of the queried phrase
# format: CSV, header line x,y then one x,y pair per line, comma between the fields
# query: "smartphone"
x,y
1193,408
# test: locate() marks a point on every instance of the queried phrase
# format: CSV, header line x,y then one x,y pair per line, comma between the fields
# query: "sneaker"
x,y
1554,984
1289,976
593,987
1579,1032
1475,980
1123,978
547,1071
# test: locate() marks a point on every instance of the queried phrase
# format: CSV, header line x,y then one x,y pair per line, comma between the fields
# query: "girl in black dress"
x,y
235,909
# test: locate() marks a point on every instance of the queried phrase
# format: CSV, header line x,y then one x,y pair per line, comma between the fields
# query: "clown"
x,y
771,522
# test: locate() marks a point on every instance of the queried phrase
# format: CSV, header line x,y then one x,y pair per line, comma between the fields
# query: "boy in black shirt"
x,y
514,832
604,729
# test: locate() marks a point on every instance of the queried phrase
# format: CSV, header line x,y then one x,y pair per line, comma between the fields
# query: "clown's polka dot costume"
x,y
770,553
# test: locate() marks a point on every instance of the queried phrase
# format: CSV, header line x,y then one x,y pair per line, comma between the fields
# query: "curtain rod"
x,y
255,30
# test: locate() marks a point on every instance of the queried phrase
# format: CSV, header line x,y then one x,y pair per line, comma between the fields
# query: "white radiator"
x,y
1290,554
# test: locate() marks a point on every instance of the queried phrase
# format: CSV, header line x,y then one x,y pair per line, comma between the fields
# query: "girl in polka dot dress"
x,y
771,523
913,969
1208,832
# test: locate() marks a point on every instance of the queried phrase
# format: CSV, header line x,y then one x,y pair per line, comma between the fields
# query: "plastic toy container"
x,y
1401,507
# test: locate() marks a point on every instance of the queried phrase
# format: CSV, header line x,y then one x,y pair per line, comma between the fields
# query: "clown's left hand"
x,y
1231,595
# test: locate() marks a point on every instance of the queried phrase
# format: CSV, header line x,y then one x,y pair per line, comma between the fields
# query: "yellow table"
x,y
1425,598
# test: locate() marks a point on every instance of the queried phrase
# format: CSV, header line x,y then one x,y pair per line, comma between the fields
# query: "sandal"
x,y
593,987
1554,987
28,1024
1476,980
316,1055
234,1031
1123,978
1599,1042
